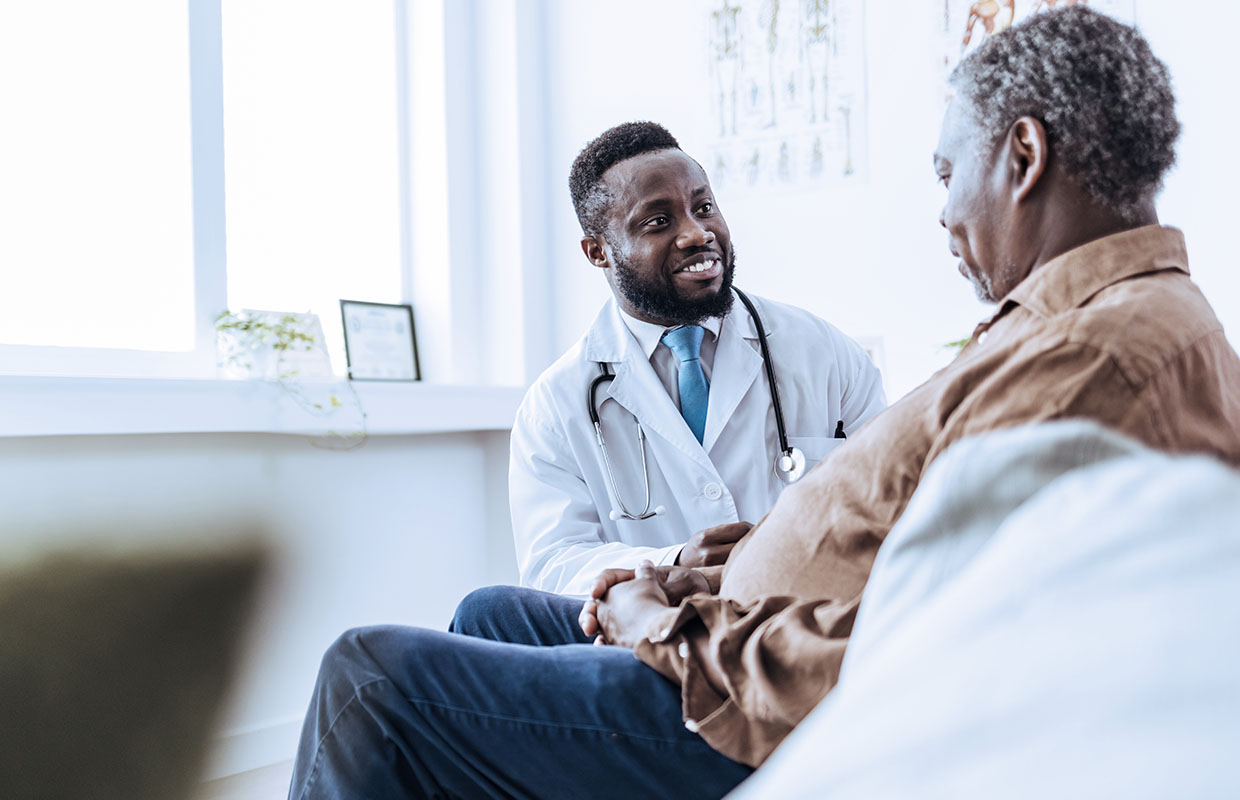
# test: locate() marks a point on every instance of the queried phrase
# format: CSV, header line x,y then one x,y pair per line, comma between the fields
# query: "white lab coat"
x,y
558,487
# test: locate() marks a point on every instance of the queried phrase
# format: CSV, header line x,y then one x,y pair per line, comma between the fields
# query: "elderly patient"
x,y
1052,152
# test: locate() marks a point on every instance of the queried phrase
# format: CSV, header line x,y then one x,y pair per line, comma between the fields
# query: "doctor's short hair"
x,y
1103,97
585,182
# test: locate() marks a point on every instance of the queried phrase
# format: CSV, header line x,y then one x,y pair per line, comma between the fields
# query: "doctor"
x,y
673,370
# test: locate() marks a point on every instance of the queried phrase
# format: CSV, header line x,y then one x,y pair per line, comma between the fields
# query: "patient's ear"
x,y
595,250
1028,152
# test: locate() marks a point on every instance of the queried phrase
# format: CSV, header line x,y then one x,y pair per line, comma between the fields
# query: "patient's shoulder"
x,y
1146,322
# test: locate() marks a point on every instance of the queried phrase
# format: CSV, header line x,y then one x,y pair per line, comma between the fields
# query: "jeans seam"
x,y
318,747
548,724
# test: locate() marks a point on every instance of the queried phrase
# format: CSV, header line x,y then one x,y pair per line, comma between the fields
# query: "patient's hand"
x,y
712,546
676,583
626,613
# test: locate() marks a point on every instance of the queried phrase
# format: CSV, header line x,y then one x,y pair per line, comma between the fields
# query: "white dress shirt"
x,y
666,365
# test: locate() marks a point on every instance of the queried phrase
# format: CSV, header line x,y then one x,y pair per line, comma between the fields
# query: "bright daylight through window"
x,y
312,157
96,217
115,115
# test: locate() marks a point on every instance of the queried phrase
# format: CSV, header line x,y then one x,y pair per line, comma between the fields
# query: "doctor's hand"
x,y
629,609
712,546
677,583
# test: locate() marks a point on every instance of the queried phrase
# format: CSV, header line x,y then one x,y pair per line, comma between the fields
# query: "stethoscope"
x,y
789,464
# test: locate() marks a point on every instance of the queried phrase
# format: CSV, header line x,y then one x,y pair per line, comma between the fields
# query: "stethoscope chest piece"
x,y
790,466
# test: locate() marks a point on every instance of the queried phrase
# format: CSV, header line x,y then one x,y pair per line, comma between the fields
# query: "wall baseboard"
x,y
252,746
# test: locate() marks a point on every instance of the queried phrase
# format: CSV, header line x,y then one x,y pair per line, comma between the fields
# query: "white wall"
x,y
871,258
1199,192
396,531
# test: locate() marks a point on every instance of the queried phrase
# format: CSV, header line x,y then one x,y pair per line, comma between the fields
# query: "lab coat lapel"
x,y
636,386
737,365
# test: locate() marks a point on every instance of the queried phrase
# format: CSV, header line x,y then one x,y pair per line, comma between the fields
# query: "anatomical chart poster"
x,y
788,92
967,23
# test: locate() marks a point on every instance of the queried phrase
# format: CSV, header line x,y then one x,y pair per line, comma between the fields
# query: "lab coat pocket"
x,y
815,448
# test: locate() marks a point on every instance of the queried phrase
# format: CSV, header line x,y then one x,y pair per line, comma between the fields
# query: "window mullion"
x,y
206,66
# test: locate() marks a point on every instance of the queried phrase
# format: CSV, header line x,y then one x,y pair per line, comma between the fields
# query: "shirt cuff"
x,y
720,721
657,649
667,556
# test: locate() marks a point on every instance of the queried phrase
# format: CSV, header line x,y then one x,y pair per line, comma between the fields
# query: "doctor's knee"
x,y
477,612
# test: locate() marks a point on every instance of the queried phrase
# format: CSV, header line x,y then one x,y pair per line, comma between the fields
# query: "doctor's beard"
x,y
658,299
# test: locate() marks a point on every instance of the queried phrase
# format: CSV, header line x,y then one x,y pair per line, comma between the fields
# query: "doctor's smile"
x,y
709,268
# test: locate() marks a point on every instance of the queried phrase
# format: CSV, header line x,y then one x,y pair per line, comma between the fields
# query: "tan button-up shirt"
x,y
1113,331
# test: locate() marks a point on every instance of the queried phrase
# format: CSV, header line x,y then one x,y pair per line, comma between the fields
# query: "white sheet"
x,y
1057,614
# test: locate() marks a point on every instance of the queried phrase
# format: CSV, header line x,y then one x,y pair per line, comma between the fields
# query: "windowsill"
x,y
46,406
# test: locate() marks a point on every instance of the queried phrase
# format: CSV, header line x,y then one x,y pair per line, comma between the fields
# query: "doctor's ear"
x,y
595,250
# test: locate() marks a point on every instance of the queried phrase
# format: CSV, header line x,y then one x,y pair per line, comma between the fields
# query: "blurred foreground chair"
x,y
112,669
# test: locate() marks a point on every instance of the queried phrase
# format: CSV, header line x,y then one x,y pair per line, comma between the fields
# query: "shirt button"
x,y
713,491
683,649
691,725
981,337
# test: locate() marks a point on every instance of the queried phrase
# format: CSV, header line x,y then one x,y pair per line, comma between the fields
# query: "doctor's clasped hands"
x,y
710,547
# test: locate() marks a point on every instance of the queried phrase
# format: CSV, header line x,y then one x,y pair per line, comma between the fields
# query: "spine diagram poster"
x,y
788,98
967,23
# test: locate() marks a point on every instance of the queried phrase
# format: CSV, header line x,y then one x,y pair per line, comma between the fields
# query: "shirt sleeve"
x,y
558,533
862,397
778,656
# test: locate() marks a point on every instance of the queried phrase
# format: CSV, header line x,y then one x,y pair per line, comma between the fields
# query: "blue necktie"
x,y
686,344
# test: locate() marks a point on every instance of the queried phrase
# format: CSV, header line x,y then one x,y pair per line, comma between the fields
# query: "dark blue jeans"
x,y
511,703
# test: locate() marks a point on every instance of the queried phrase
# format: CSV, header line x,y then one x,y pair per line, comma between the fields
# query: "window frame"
x,y
207,201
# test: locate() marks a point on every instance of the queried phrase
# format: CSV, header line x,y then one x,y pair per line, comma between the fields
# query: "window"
x,y
312,157
96,216
173,158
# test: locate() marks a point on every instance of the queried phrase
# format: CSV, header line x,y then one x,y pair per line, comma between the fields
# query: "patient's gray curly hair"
x,y
1103,97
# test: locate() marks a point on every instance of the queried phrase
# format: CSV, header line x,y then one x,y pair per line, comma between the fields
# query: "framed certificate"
x,y
379,341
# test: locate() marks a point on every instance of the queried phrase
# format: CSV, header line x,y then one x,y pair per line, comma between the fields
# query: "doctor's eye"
x,y
657,221
706,208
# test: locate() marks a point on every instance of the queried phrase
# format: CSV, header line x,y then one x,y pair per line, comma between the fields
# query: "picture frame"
x,y
380,341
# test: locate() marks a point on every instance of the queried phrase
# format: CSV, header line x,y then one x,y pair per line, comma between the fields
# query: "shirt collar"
x,y
649,335
1068,280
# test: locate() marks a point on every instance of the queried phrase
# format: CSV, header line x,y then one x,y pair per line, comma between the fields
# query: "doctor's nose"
x,y
694,235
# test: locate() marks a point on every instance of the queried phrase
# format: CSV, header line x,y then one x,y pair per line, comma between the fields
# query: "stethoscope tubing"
x,y
770,372
605,375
